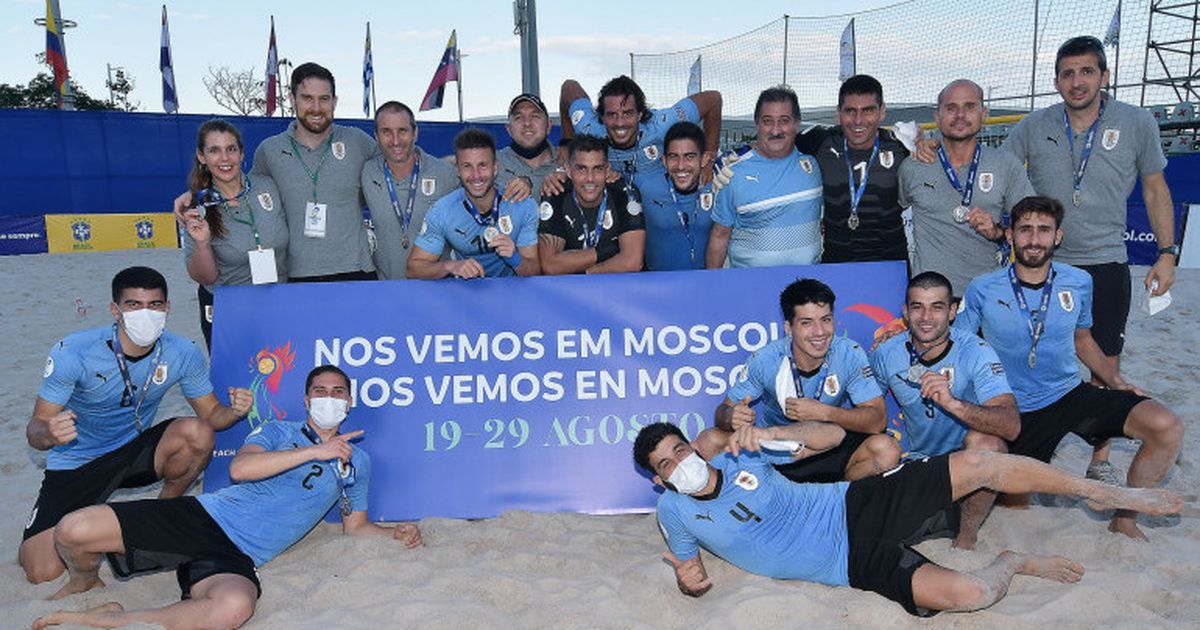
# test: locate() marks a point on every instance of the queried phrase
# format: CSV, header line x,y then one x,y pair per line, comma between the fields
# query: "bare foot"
x,y
81,618
1155,501
1126,523
1055,568
74,586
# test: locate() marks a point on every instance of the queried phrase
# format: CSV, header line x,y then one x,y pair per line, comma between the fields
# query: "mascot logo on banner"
x,y
268,367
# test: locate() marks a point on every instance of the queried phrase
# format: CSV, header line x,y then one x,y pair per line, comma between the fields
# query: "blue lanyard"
x,y
1086,153
591,237
492,215
966,191
684,221
123,367
405,217
1036,321
796,376
856,192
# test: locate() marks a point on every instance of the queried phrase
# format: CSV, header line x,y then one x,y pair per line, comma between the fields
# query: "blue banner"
x,y
1140,244
482,396
22,235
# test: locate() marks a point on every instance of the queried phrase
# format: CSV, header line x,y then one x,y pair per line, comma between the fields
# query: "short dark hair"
x,y
929,280
624,87
778,94
1037,204
137,278
324,369
396,107
684,131
860,84
801,292
585,144
647,440
310,70
1082,45
474,138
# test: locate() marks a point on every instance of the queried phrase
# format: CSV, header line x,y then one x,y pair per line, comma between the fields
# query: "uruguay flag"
x,y
170,100
446,72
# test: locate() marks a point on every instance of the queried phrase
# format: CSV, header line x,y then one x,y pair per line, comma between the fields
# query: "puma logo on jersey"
x,y
704,517
928,185
1052,139
1004,304
835,152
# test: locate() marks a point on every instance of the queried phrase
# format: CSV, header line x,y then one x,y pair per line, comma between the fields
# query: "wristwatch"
x,y
1172,249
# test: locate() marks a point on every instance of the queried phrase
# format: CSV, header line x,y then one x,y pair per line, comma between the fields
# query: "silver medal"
x,y
916,371
344,505
1077,198
852,222
960,214
490,233
1032,359
404,242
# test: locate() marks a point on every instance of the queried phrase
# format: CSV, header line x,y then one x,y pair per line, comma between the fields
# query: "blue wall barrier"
x,y
516,393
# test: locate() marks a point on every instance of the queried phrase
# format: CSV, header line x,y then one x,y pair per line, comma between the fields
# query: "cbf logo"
x,y
268,367
144,228
81,230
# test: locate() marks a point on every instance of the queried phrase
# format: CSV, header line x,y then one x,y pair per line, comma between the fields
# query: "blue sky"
x,y
588,41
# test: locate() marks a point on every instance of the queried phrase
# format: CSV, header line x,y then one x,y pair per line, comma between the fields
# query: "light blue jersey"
x,y
451,222
990,306
763,523
677,224
774,208
643,161
82,375
975,374
844,380
266,516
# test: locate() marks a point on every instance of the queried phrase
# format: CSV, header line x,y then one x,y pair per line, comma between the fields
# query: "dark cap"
x,y
531,98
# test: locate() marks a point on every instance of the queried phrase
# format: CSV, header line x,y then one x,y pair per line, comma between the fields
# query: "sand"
x,y
577,571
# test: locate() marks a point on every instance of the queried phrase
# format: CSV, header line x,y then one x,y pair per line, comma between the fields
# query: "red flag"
x,y
272,71
446,72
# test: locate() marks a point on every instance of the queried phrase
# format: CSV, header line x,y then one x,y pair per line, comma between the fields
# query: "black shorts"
x,y
826,467
178,533
1111,294
886,515
349,276
64,491
205,298
1092,413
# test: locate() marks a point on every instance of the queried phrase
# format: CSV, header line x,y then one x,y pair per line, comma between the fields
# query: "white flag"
x,y
1113,36
846,52
694,77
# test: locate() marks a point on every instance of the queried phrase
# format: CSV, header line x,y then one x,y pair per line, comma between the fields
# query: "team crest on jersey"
x,y
1066,300
1110,139
264,200
746,481
886,159
545,211
986,181
339,150
428,186
948,372
505,224
651,151
607,222
49,367
806,165
160,374
831,386
208,313
706,201
576,116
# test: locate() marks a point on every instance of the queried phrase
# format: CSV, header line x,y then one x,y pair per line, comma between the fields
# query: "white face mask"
x,y
691,475
327,412
144,326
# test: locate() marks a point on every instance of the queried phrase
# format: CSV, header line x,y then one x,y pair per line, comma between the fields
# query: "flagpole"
x,y
1117,55
458,64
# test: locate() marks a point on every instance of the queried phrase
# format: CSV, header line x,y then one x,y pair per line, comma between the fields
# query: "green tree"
x,y
39,93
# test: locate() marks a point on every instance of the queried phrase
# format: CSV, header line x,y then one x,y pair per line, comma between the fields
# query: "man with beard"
x,y
860,533
769,214
1037,314
530,155
959,205
1088,153
400,185
488,235
634,131
591,226
318,166
678,207
811,376
950,386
